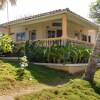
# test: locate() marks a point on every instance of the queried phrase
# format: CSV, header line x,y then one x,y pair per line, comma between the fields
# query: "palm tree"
x,y
92,63
5,2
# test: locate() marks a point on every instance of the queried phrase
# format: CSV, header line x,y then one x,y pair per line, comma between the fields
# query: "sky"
x,y
32,7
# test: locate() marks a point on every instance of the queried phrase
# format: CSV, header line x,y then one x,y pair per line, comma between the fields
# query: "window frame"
x,y
21,36
84,37
30,35
89,39
51,35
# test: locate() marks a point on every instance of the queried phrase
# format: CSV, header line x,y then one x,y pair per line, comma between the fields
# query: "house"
x,y
60,25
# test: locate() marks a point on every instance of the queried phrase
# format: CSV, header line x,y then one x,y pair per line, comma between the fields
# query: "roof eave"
x,y
64,11
58,13
82,18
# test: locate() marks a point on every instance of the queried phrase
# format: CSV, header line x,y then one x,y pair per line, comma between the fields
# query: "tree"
x,y
95,11
3,2
5,43
92,64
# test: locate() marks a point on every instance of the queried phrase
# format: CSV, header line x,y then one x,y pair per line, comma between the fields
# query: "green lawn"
x,y
74,90
10,82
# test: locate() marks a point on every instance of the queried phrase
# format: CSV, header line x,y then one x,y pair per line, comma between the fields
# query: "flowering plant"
x,y
23,65
24,62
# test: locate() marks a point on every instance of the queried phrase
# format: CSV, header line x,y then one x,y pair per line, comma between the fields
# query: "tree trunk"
x,y
92,63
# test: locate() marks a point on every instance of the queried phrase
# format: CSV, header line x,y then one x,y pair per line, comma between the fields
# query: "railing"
x,y
61,41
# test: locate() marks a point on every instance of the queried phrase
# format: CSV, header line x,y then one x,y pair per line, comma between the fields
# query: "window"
x,y
89,38
33,35
51,34
56,24
77,35
21,36
59,33
84,38
11,33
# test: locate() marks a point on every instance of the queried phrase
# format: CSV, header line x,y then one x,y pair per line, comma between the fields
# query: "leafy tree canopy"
x,y
95,11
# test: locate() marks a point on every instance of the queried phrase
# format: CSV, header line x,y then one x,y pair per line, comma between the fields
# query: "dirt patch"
x,y
24,91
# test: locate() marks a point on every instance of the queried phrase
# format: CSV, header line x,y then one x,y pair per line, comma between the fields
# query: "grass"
x,y
76,89
10,82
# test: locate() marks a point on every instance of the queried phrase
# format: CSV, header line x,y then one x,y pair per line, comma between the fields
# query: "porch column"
x,y
80,36
87,34
64,26
87,37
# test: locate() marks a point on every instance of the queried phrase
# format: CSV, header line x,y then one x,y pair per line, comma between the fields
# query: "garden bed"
x,y
71,68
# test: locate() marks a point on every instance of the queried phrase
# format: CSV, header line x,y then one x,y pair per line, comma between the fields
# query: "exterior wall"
x,y
93,35
48,26
3,30
42,28
74,27
37,27
16,30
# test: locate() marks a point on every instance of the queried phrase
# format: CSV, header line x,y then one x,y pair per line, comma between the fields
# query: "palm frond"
x,y
2,3
13,2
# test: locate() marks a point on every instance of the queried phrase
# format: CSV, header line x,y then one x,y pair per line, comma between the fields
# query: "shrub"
x,y
36,52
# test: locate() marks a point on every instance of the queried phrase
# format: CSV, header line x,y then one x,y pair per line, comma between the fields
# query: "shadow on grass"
x,y
46,75
50,76
96,86
96,89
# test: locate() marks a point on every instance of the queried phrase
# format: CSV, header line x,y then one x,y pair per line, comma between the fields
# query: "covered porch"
x,y
60,28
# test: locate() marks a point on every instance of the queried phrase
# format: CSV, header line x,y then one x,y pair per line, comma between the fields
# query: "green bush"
x,y
36,52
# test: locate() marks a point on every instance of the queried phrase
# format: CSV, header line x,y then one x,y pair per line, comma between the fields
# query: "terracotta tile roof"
x,y
34,16
44,14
